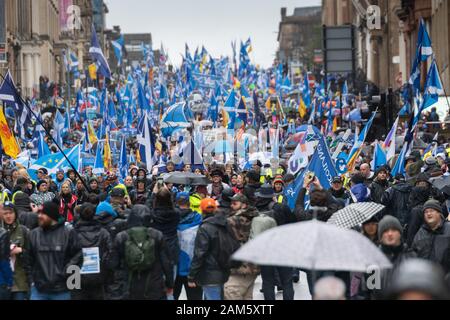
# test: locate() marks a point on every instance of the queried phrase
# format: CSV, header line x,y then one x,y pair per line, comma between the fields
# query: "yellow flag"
x,y
268,104
107,161
138,156
91,133
302,108
9,143
335,124
226,118
92,71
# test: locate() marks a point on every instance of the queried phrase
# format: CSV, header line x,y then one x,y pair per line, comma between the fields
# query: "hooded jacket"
x,y
205,269
187,231
159,277
26,217
166,220
92,235
52,251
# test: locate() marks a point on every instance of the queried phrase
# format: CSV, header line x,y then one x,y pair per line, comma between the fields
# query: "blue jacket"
x,y
187,232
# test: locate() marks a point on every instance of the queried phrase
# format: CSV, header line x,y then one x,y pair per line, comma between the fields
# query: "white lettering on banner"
x,y
324,163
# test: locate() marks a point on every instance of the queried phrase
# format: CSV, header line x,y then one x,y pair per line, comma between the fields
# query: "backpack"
x,y
261,223
140,252
228,245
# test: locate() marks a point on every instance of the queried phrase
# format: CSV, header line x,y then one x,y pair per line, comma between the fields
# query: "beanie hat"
x,y
51,209
105,207
40,183
389,222
22,200
432,204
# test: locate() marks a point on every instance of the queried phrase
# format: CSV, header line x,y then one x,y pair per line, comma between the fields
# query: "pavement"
x,y
301,290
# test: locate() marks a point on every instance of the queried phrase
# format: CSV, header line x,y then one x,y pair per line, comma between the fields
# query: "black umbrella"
x,y
442,184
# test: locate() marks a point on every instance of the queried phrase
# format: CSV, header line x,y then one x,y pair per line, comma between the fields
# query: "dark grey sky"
x,y
212,23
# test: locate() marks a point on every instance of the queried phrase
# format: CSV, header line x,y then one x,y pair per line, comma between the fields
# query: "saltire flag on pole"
x,y
118,49
356,150
146,140
98,56
433,88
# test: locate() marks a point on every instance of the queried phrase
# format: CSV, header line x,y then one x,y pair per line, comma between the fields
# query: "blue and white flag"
x,y
433,87
323,167
118,49
123,159
54,162
98,56
146,140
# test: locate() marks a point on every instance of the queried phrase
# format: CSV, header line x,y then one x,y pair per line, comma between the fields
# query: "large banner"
x,y
67,15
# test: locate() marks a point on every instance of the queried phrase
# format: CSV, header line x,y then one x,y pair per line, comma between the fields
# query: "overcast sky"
x,y
212,23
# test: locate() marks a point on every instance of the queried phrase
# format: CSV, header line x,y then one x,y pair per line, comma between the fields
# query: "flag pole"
x,y
46,131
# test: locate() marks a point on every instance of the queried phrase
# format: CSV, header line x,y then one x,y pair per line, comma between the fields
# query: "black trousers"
x,y
269,275
191,293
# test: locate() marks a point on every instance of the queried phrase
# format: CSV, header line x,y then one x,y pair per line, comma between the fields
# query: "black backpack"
x,y
228,245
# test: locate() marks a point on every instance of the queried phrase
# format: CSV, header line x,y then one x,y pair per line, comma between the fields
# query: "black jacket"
x,y
396,200
377,189
50,253
157,279
29,219
434,245
111,224
396,256
91,235
166,220
205,269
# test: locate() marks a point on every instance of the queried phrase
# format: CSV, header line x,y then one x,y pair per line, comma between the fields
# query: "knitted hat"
x,y
40,183
278,179
432,204
423,177
51,209
105,207
389,222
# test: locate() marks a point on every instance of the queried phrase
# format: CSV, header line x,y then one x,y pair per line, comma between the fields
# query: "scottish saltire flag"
x,y
98,56
9,95
424,50
424,42
191,155
241,114
118,49
177,117
433,87
146,141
